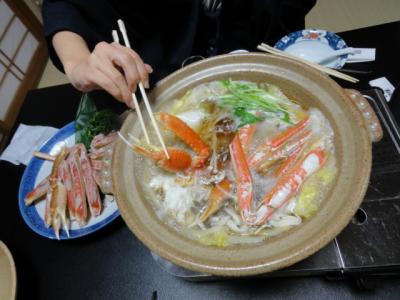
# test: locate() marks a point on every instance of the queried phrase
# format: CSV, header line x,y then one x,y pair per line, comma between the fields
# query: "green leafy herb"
x,y
245,98
246,117
91,122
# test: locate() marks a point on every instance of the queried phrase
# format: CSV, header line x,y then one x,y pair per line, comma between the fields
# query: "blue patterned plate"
x,y
311,43
36,171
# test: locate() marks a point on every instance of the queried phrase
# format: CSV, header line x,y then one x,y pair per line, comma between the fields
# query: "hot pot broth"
x,y
269,163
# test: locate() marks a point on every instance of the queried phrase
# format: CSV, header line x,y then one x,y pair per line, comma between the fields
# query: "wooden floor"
x,y
332,15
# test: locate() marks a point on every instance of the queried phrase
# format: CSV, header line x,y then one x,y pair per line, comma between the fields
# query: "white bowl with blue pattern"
x,y
311,43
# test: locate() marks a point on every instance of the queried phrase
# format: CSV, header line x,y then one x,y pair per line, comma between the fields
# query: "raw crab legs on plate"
x,y
73,183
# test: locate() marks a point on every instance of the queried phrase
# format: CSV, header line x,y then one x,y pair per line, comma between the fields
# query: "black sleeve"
x,y
65,15
293,14
289,16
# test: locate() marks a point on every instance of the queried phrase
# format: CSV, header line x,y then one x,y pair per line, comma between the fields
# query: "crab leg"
x,y
38,192
246,134
65,175
243,178
287,164
98,154
188,136
101,140
217,196
285,150
41,189
100,157
54,169
92,191
97,164
78,189
102,145
56,196
284,136
288,185
264,151
48,216
58,208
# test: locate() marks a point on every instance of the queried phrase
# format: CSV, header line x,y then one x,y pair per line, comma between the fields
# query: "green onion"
x,y
244,98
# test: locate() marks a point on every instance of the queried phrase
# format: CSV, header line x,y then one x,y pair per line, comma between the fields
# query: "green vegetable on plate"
x,y
91,122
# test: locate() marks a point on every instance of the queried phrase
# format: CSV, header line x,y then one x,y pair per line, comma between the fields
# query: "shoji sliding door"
x,y
22,57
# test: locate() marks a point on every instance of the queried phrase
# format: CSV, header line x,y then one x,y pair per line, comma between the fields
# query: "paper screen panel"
x,y
12,38
26,52
7,92
4,59
2,71
5,16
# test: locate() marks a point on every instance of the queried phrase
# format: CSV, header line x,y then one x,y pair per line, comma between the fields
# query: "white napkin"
x,y
384,84
366,54
25,141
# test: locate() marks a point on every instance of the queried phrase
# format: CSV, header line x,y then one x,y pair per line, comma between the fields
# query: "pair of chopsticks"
x,y
122,28
267,48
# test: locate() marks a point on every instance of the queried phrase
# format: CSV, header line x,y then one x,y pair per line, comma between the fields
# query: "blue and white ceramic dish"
x,y
310,43
36,171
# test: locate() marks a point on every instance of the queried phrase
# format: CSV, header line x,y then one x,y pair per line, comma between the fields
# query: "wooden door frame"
x,y
37,63
5,130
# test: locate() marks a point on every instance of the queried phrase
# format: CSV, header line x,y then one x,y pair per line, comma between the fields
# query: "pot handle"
x,y
370,118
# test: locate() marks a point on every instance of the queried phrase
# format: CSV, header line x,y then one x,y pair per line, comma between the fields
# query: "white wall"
x,y
343,15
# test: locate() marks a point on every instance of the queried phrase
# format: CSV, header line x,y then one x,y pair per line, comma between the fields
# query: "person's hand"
x,y
112,67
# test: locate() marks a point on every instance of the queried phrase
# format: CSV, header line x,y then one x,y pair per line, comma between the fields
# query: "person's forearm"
x,y
70,48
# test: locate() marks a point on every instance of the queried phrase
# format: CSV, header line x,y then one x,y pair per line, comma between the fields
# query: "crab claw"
x,y
188,136
217,196
58,209
178,160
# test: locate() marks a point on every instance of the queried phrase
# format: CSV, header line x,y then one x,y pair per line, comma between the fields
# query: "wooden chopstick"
x,y
115,36
267,48
125,140
329,71
323,69
134,99
122,28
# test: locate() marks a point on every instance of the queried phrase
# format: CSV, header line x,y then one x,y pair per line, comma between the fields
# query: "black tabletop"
x,y
385,38
113,264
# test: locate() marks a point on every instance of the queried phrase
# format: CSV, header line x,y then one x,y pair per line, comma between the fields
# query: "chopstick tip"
x,y
121,25
115,36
